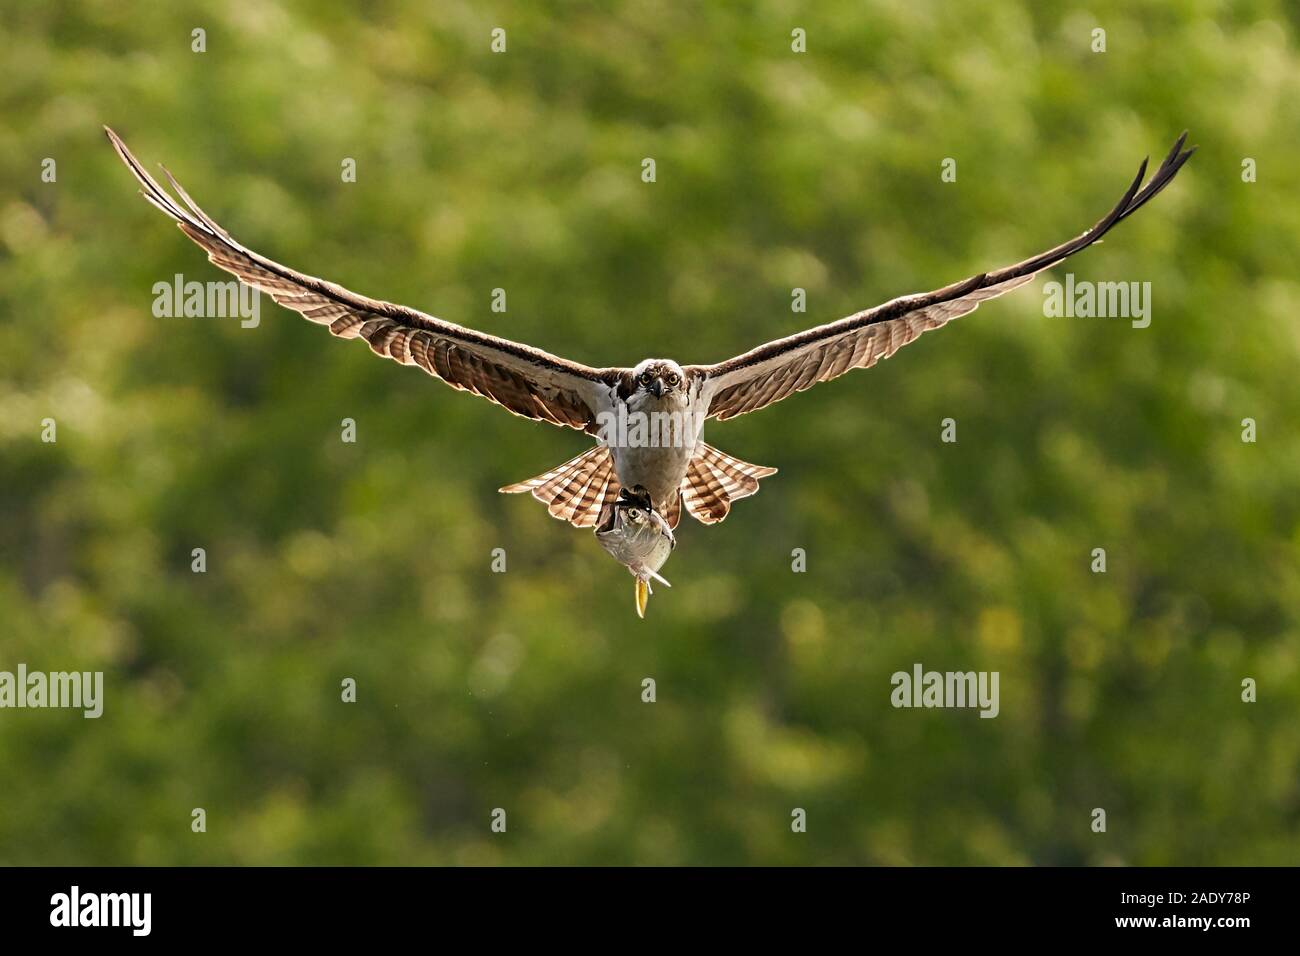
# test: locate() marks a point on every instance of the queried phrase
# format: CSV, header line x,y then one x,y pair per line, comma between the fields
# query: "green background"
x,y
523,690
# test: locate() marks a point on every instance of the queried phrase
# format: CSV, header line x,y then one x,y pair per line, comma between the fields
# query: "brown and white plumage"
x,y
541,386
715,479
576,491
522,379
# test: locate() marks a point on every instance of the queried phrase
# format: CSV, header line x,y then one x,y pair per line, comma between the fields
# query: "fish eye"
x,y
633,513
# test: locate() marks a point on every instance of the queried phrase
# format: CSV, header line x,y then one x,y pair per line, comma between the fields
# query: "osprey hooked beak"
x,y
657,386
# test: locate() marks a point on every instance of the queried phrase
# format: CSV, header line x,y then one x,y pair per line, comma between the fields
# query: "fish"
x,y
637,537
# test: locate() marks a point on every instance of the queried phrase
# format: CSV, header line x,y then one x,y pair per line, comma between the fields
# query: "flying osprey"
x,y
661,453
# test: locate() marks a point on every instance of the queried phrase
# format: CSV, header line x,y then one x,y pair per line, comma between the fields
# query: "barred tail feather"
x,y
714,480
577,490
674,512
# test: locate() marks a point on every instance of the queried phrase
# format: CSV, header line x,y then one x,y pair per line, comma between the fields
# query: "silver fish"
x,y
637,537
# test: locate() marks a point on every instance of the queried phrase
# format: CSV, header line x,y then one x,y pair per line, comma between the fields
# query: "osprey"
x,y
648,420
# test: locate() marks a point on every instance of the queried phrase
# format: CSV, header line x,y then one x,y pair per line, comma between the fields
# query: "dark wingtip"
x,y
1136,196
1177,155
1163,176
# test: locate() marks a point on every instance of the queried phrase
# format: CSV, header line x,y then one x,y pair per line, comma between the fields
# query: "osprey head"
x,y
658,377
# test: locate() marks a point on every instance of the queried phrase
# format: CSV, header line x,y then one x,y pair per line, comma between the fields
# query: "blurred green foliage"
x,y
522,690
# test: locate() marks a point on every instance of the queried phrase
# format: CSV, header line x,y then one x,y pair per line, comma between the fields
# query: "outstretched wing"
x,y
778,369
524,380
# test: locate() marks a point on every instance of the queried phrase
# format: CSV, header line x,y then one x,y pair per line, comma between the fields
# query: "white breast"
x,y
656,458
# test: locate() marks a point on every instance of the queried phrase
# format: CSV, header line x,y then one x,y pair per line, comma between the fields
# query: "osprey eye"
x,y
645,378
672,379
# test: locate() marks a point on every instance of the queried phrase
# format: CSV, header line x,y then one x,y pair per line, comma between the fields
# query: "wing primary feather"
x,y
524,380
778,369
